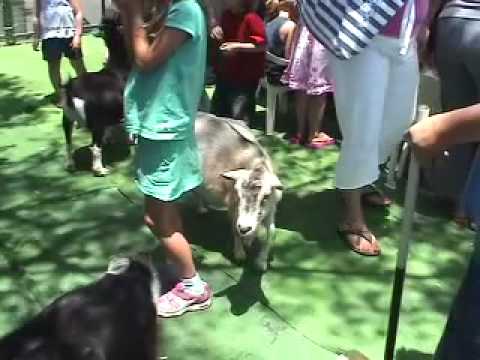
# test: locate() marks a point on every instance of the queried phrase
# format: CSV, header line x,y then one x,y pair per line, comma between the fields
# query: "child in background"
x,y
58,24
161,99
309,76
239,62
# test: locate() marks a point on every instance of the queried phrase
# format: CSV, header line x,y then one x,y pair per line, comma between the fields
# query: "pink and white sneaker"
x,y
178,301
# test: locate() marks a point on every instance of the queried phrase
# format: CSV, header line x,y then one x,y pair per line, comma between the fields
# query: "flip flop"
x,y
317,145
323,137
347,235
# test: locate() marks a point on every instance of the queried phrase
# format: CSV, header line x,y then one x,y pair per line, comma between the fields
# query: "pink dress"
x,y
308,68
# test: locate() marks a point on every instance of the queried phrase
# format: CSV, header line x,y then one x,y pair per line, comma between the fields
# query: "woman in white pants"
x,y
375,100
375,97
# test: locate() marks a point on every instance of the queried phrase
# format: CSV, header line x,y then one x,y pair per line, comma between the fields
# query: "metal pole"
x,y
423,112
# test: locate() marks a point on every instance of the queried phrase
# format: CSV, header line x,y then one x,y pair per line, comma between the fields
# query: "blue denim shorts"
x,y
55,48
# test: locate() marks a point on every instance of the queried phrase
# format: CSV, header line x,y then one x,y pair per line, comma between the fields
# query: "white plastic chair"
x,y
275,95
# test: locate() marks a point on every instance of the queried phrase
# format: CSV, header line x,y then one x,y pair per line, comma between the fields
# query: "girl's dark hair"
x,y
154,16
261,9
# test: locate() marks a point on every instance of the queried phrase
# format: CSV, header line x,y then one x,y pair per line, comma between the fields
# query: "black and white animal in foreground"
x,y
94,100
114,318
239,176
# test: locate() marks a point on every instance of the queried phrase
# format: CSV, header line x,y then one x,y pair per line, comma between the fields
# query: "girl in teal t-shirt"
x,y
161,99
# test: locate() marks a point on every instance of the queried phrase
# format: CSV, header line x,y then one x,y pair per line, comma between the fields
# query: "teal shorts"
x,y
167,169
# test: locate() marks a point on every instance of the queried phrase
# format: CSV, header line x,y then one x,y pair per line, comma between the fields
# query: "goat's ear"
x,y
275,182
235,174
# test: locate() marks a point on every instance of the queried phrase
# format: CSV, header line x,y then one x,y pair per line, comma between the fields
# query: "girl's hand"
x,y
217,33
76,42
229,46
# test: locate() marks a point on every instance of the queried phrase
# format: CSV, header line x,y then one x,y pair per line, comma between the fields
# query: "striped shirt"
x,y
345,27
467,9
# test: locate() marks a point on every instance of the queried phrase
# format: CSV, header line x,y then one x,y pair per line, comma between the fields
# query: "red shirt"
x,y
241,68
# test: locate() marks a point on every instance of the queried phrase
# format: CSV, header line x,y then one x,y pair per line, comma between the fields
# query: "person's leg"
x,y
164,220
220,99
55,76
301,102
239,107
359,111
204,104
456,49
165,170
78,65
74,55
400,102
52,54
243,104
461,337
191,293
316,111
318,85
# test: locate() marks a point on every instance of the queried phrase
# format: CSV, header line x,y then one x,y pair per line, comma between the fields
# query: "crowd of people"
x,y
369,58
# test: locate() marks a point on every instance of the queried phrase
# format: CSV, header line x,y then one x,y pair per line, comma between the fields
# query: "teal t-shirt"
x,y
161,104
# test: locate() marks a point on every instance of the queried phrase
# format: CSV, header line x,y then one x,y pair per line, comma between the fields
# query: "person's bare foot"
x,y
353,228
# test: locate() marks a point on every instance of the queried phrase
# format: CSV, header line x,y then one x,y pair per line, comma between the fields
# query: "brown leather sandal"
x,y
353,237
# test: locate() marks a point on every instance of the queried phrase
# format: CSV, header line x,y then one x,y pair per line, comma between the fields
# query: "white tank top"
x,y
57,19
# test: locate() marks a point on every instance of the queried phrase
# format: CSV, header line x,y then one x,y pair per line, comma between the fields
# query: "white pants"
x,y
375,97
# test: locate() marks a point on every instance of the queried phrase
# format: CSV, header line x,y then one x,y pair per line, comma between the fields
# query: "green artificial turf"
x,y
57,231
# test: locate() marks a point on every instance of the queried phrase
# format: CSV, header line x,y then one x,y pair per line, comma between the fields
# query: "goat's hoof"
x,y
70,167
101,172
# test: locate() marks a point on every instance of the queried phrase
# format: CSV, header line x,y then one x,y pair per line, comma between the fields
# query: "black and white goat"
x,y
113,318
95,100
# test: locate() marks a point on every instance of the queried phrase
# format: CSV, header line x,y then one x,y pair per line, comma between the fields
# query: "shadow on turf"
x,y
245,293
16,99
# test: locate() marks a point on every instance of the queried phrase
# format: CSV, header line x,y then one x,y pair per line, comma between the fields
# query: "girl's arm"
x,y
243,47
78,11
148,55
441,131
257,37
